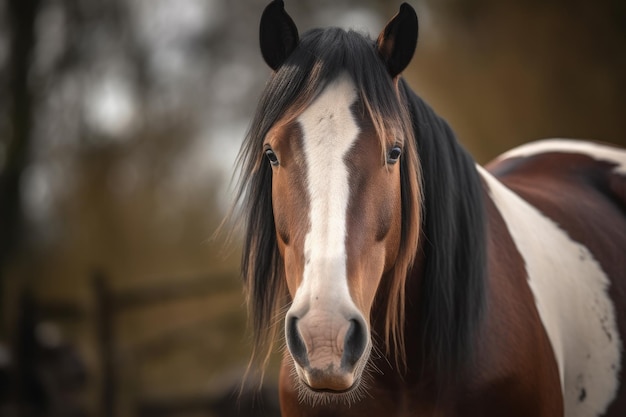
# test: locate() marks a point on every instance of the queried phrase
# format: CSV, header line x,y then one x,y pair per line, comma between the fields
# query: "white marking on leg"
x,y
571,294
329,131
596,151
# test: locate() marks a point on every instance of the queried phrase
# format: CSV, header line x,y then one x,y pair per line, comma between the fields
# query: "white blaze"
x,y
329,132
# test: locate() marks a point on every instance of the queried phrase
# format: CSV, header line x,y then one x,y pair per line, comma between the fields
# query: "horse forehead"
x,y
328,120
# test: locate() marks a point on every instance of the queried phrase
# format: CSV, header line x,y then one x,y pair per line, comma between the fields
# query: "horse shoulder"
x,y
559,204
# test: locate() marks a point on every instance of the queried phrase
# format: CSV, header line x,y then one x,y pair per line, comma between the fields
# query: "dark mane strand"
x,y
453,226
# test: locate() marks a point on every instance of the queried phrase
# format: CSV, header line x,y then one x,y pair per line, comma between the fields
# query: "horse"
x,y
408,280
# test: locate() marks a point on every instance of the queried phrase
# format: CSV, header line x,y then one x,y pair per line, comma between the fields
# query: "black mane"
x,y
453,283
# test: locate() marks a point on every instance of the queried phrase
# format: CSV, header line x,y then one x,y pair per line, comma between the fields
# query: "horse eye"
x,y
394,155
271,156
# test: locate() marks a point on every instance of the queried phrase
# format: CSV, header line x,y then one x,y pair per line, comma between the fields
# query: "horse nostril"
x,y
354,344
295,342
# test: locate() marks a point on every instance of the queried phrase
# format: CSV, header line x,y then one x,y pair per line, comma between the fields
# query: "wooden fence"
x,y
111,303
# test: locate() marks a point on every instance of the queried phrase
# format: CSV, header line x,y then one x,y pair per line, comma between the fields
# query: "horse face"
x,y
337,209
337,200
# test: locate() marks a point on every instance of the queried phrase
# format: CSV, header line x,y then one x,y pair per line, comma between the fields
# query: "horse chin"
x,y
314,396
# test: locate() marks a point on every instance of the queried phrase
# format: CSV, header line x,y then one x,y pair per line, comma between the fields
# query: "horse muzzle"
x,y
329,348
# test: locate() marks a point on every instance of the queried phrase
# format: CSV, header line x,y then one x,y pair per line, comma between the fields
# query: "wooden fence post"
x,y
105,314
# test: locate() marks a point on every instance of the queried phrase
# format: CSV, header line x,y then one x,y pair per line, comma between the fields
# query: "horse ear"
x,y
278,34
396,43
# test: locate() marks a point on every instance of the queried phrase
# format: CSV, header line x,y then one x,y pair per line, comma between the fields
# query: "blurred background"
x,y
119,124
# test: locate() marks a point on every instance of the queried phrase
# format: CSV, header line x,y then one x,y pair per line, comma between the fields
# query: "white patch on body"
x,y
329,132
596,151
571,295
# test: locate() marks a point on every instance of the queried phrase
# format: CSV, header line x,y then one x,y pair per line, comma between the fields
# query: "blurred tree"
x,y
17,133
13,159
